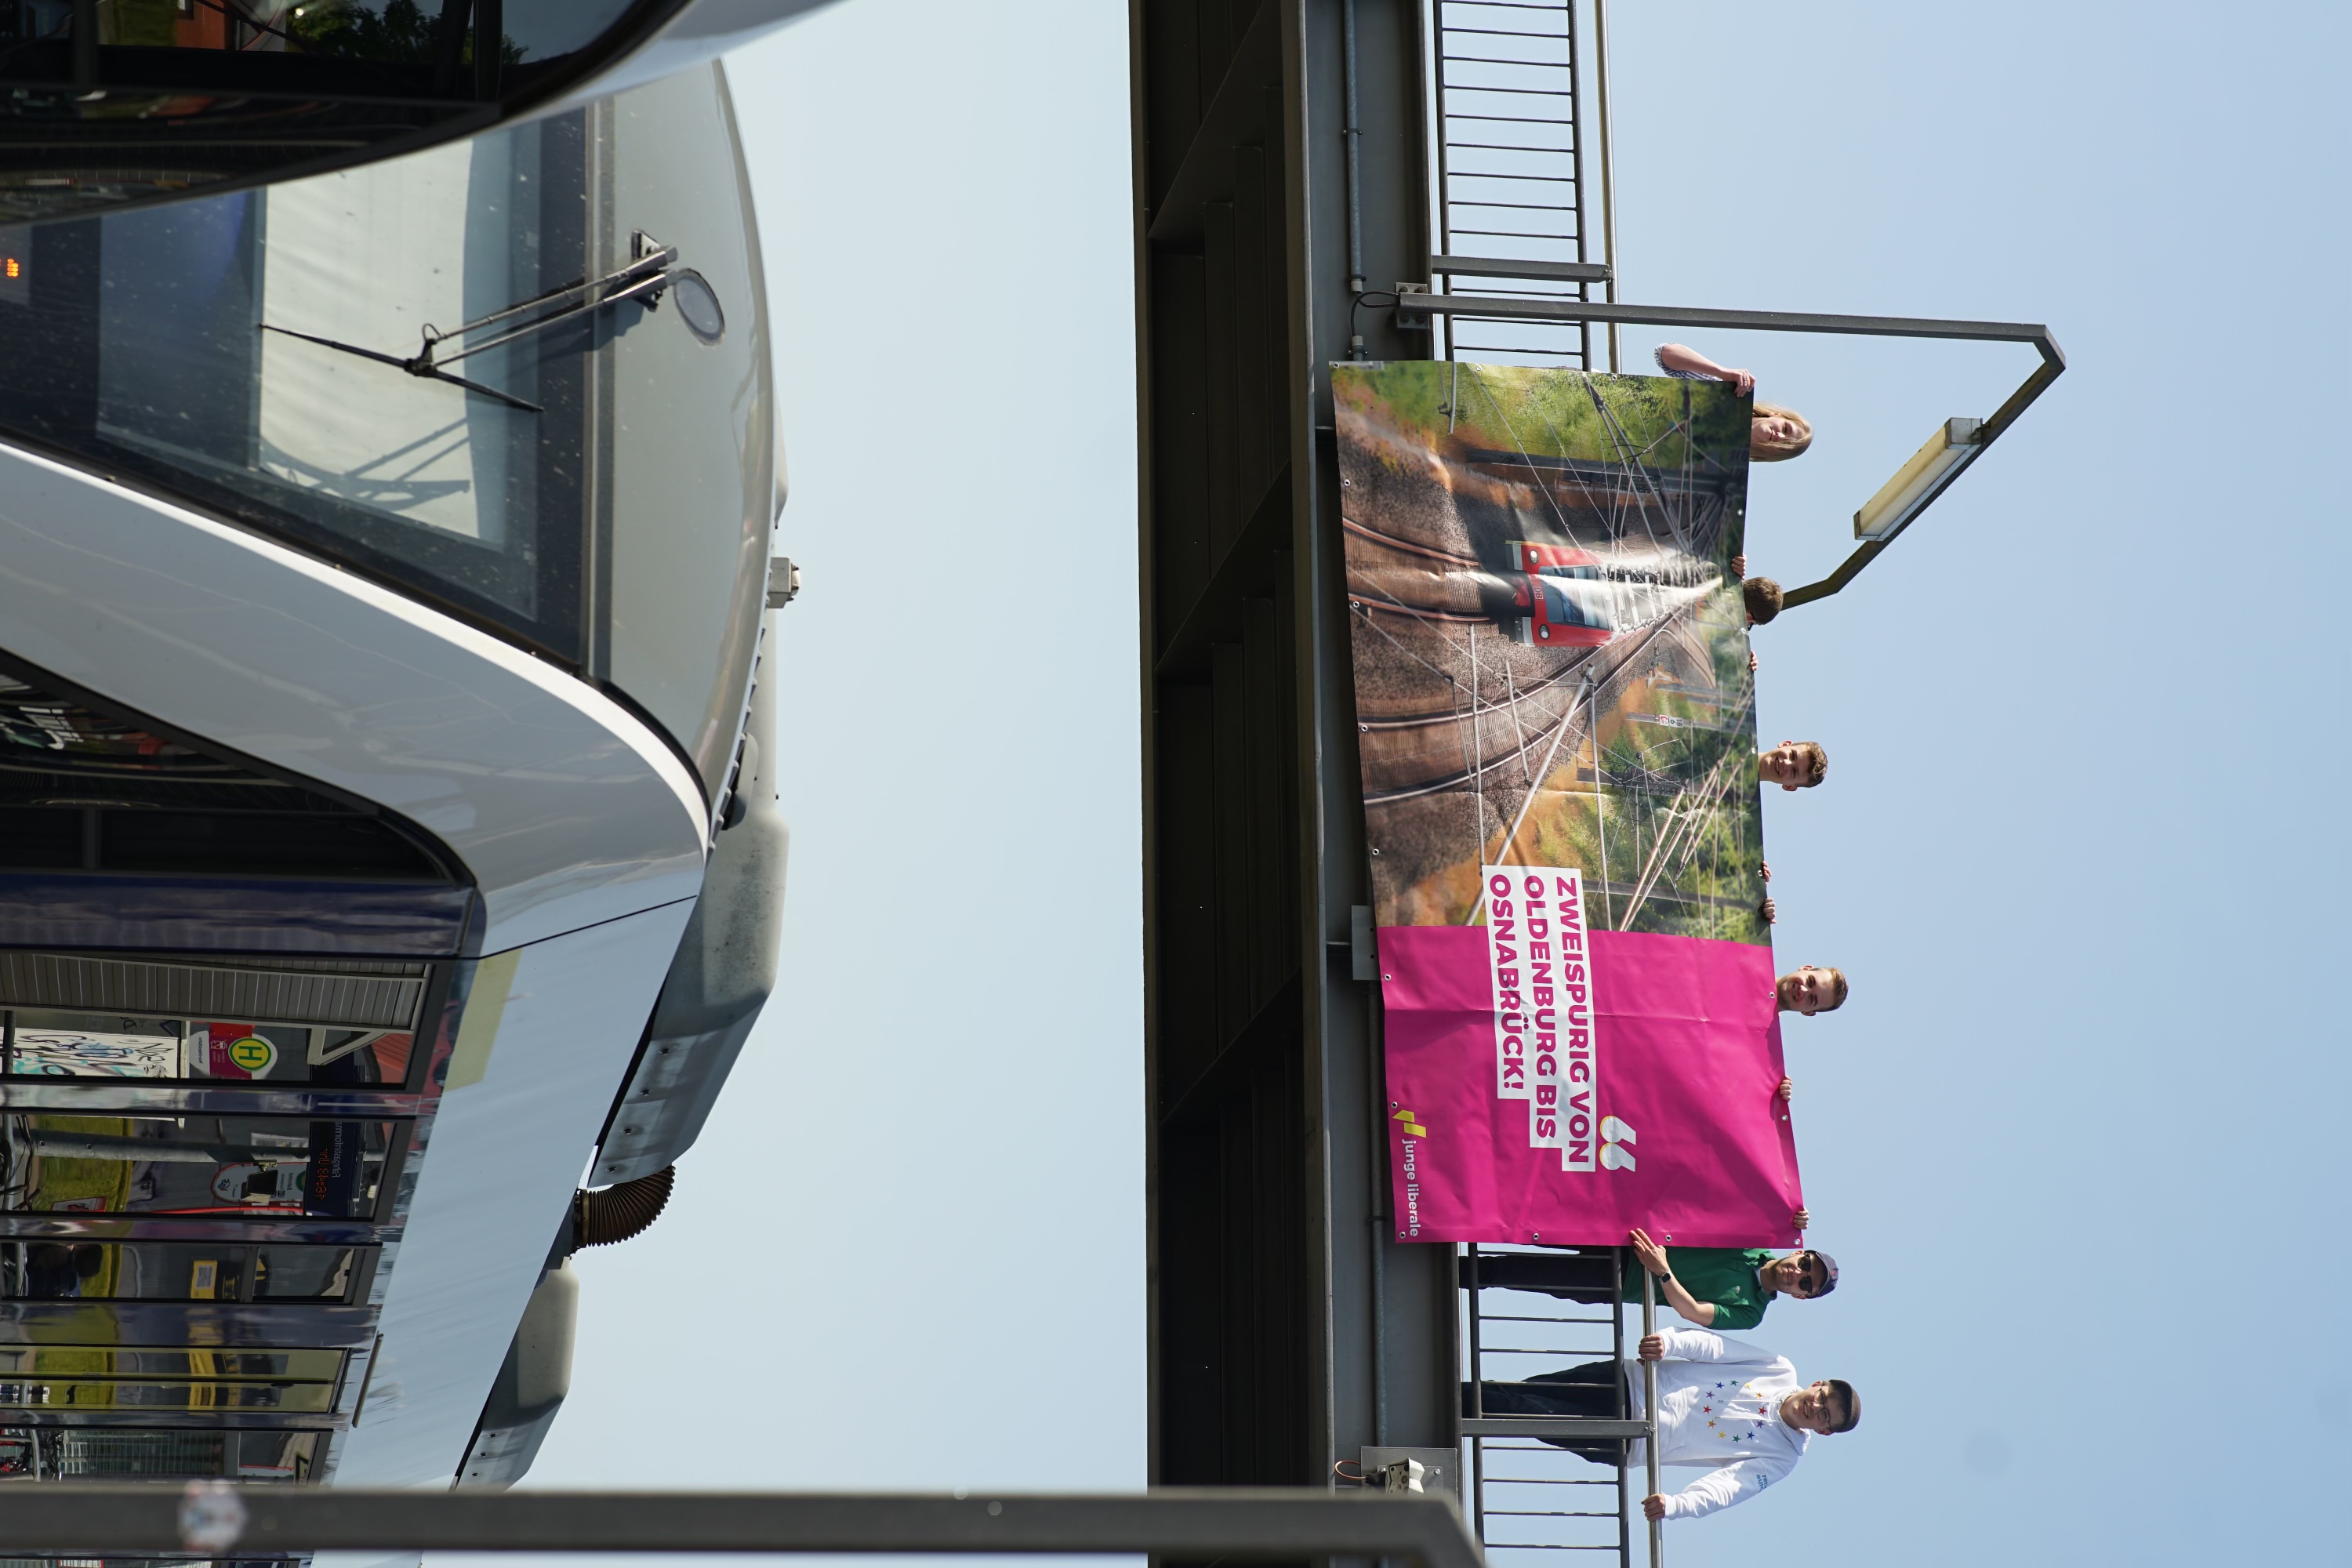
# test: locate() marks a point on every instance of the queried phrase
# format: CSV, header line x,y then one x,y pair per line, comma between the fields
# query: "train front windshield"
x,y
599,485
473,497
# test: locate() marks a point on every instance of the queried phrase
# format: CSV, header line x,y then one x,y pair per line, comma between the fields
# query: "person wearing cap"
x,y
1730,1287
1717,1288
1732,1409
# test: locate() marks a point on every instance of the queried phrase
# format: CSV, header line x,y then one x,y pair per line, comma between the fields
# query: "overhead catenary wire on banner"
x,y
1559,732
1685,822
1637,492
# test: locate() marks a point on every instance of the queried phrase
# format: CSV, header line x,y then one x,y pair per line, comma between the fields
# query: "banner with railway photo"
x,y
1556,721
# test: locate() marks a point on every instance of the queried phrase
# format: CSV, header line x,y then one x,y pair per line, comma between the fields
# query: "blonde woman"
x,y
1777,434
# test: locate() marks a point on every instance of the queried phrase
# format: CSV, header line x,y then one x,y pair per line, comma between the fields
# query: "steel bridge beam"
x,y
1256,1524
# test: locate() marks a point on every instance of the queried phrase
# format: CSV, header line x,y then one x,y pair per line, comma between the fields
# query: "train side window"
x,y
175,1271
55,1394
116,1453
50,1044
267,1167
170,1362
223,1020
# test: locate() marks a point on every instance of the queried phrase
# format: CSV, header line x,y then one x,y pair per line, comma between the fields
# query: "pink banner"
x,y
1551,1085
1556,725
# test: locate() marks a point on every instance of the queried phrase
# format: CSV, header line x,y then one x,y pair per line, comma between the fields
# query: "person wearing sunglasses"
x,y
1732,1286
1715,1287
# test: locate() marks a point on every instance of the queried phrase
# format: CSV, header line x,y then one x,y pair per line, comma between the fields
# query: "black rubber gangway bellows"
x,y
602,1216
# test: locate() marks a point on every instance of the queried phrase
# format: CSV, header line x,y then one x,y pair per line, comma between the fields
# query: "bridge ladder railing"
x,y
1509,211
1529,1502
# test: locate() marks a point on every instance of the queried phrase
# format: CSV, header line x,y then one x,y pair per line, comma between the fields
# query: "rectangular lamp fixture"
x,y
1951,448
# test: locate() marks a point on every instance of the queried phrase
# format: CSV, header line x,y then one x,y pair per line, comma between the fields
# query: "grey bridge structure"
x,y
1319,181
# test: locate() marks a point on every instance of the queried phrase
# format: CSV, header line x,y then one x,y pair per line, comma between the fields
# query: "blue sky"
x,y
2077,1133
2076,1139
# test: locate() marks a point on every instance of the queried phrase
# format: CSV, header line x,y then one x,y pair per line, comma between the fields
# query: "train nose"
x,y
1502,601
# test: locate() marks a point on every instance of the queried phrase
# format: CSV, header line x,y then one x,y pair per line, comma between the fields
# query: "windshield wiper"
x,y
644,278
428,371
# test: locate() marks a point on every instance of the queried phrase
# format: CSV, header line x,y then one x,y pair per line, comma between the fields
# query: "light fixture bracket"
x,y
1526,307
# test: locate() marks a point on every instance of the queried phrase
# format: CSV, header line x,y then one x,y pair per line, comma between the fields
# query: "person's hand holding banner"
x,y
1653,1256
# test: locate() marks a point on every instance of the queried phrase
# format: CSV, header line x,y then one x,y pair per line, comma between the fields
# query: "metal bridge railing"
x,y
1528,1500
1507,126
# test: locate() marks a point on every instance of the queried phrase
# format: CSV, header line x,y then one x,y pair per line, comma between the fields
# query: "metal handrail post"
x,y
1434,83
1617,1354
1608,168
1478,1409
1576,57
1650,1409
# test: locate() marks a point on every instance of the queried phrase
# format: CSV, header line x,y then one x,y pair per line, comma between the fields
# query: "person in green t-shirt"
x,y
1728,1288
1721,1288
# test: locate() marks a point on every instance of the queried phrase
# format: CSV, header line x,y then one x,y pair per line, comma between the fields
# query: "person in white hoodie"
x,y
1724,1405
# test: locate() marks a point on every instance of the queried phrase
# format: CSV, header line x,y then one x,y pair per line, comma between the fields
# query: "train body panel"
x,y
542,1043
565,808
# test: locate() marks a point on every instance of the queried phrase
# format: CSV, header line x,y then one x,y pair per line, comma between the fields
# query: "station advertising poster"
x,y
1556,721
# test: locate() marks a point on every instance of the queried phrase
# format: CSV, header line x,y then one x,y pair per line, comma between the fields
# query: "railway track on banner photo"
x,y
1530,719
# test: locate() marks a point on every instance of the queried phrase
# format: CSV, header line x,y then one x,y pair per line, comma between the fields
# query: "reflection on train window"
x,y
103,1044
68,1453
468,491
173,1272
400,38
61,736
91,1393
85,790
139,1163
173,1363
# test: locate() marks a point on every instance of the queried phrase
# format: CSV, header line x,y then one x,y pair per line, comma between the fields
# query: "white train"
x,y
385,818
